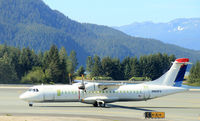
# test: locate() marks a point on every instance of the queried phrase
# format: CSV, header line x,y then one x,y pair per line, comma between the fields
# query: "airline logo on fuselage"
x,y
58,93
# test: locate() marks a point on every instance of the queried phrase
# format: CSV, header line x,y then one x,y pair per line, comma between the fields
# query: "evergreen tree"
x,y
40,59
126,64
97,69
107,67
117,70
54,68
26,61
72,62
80,71
89,64
45,60
7,71
153,66
135,68
63,62
194,77
154,69
15,58
4,50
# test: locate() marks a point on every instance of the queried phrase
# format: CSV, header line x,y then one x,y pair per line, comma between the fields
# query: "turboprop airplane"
x,y
99,94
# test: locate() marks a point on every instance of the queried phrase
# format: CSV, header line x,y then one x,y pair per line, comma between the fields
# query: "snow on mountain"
x,y
183,32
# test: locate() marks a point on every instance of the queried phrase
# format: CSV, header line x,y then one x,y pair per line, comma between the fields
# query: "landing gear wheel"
x,y
95,104
30,105
102,105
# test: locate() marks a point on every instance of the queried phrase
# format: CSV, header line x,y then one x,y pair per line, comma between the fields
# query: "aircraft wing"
x,y
101,85
105,86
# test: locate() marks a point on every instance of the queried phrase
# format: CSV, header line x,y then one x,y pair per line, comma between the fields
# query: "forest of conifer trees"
x,y
194,76
55,66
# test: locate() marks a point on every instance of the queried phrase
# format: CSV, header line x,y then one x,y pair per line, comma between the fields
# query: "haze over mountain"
x,y
32,23
184,32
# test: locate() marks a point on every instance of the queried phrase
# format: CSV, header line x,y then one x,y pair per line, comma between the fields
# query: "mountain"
x,y
182,32
32,23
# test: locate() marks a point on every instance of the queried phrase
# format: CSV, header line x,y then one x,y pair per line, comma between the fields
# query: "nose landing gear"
x,y
30,104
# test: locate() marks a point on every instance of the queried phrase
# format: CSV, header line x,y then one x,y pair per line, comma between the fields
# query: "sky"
x,y
123,12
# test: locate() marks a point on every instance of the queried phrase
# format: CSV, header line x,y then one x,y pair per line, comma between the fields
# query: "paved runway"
x,y
178,107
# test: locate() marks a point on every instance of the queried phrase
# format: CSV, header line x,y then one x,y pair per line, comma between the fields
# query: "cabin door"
x,y
49,94
146,92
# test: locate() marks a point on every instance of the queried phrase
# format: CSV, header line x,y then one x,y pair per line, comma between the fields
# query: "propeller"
x,y
82,87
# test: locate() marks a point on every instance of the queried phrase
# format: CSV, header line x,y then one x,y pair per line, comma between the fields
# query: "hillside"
x,y
32,23
182,32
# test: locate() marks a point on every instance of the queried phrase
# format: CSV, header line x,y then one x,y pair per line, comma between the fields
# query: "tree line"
x,y
194,76
25,66
55,66
149,66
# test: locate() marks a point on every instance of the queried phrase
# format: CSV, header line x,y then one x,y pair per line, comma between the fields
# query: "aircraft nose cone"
x,y
23,97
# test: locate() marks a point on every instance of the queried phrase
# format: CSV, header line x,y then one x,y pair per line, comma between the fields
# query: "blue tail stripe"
x,y
179,79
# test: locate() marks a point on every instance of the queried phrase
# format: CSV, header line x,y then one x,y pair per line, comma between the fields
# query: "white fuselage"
x,y
71,93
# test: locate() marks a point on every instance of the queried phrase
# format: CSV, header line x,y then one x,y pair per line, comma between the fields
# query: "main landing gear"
x,y
99,103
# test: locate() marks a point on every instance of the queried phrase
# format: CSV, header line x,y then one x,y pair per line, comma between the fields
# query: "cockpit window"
x,y
33,90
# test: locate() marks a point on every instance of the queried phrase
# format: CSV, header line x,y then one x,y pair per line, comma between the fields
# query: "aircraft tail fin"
x,y
175,75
